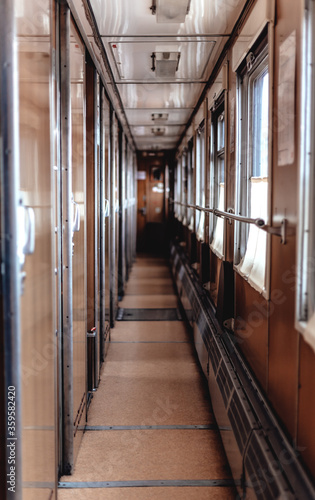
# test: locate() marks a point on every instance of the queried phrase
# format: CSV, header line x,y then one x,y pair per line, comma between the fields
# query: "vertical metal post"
x,y
112,221
122,196
102,226
96,232
11,284
66,157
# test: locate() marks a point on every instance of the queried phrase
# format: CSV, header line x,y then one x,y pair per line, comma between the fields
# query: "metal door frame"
x,y
11,273
66,259
112,251
102,226
97,209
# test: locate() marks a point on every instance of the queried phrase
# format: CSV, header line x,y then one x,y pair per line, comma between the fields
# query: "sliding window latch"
x,y
250,60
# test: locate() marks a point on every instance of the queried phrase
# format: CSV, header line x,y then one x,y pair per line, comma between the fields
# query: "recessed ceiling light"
x,y
159,117
165,64
158,131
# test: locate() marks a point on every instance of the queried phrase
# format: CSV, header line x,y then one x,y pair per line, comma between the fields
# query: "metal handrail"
x,y
241,218
281,231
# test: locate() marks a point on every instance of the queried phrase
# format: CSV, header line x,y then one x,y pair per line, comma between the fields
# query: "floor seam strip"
x,y
148,484
151,342
150,427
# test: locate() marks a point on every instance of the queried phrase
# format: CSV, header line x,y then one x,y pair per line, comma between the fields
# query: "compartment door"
x,y
73,188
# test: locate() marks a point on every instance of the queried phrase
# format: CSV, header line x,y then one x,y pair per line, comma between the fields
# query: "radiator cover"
x,y
261,471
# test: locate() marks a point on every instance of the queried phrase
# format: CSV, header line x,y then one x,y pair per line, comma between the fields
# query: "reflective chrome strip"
x,y
151,342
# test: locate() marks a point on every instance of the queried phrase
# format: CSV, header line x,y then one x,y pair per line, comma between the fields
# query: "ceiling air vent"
x,y
165,64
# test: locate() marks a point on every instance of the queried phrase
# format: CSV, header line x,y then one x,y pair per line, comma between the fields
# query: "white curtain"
x,y
200,231
253,264
217,242
201,224
309,332
191,223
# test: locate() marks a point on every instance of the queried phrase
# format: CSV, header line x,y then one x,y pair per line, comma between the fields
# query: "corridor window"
x,y
184,187
190,184
200,181
178,208
253,167
217,196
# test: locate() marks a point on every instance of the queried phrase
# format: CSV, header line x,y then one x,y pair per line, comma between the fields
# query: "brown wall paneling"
x,y
151,225
142,203
306,413
251,327
283,338
215,265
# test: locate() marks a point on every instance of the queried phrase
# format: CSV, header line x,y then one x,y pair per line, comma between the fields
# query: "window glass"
x,y
200,182
217,199
253,168
178,208
190,184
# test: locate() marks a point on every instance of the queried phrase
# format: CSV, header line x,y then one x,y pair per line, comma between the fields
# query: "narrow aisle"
x,y
151,433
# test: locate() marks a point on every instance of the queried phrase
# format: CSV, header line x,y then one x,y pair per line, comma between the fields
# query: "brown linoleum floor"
x,y
150,378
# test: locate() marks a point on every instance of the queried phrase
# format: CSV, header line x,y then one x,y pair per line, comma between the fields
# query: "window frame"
x,y
305,294
255,65
216,155
200,192
190,183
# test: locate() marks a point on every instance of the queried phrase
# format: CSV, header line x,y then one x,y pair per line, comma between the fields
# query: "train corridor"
x,y
150,433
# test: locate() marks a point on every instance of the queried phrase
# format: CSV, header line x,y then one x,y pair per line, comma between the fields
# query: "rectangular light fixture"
x,y
158,131
165,64
170,11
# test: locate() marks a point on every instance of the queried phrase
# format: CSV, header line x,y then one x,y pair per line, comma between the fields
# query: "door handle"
x,y
106,207
29,247
26,237
26,234
143,211
76,218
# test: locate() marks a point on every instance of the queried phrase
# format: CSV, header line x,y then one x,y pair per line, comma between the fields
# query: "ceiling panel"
x,y
159,143
130,18
144,116
131,34
156,129
162,96
133,60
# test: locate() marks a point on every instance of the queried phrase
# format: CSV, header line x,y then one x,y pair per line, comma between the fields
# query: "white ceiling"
x,y
130,34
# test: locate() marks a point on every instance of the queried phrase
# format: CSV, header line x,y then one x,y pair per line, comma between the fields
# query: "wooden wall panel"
x,y
306,413
283,347
215,265
251,327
